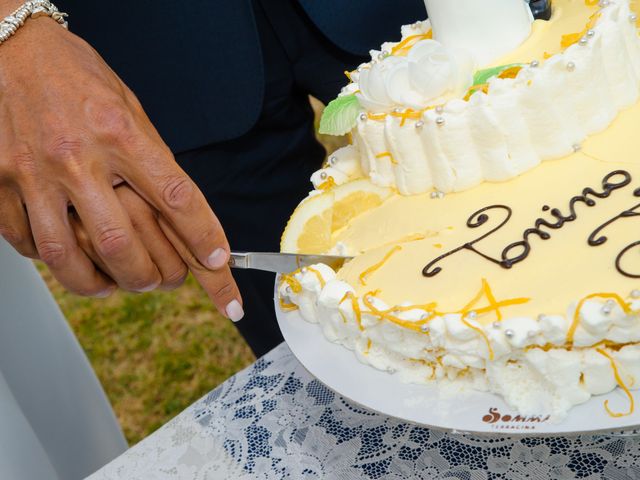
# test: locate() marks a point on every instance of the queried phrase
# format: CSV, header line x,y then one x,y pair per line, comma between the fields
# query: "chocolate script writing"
x,y
518,251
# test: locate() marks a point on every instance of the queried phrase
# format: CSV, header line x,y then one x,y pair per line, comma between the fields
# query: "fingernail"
x,y
149,288
218,258
234,311
105,293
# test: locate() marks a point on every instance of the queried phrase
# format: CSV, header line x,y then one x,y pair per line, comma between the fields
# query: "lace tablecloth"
x,y
274,421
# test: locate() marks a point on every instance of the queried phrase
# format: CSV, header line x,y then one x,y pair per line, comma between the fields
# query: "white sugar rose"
x,y
429,74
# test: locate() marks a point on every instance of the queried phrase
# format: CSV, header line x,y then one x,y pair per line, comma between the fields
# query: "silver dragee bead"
x,y
333,160
509,333
591,33
323,175
635,293
424,328
633,18
576,147
497,325
363,117
571,66
419,124
583,41
472,315
440,121
534,64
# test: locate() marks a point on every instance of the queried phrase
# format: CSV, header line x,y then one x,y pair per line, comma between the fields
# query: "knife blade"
x,y
282,262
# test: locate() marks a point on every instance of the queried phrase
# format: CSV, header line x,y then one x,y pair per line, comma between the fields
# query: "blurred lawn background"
x,y
159,352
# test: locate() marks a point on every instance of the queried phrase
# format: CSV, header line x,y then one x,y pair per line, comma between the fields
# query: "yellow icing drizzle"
x,y
369,271
621,384
369,343
576,316
484,336
318,276
356,308
402,48
387,154
327,185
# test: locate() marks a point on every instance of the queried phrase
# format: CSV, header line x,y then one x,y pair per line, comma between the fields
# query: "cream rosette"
x,y
430,73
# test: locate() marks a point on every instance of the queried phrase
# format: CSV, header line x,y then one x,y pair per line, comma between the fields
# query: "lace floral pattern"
x,y
275,421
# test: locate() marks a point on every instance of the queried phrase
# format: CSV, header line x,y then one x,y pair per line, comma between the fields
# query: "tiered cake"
x,y
491,198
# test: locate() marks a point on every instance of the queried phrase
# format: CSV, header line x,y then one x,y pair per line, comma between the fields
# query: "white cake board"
x,y
470,412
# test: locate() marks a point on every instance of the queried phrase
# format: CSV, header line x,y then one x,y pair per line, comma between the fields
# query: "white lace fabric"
x,y
275,421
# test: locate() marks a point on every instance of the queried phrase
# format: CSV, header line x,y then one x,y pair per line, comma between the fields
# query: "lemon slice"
x,y
355,198
314,221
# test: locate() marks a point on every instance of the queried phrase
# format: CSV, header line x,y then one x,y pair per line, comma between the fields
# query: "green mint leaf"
x,y
340,116
482,76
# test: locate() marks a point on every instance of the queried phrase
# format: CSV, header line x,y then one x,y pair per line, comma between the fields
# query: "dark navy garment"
x,y
227,85
196,65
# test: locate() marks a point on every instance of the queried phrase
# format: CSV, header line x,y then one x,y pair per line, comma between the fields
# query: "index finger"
x,y
156,176
219,284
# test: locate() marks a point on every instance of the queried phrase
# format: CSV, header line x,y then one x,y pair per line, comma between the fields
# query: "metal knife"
x,y
282,262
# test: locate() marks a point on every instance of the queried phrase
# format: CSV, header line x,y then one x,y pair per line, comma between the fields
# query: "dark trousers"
x,y
254,182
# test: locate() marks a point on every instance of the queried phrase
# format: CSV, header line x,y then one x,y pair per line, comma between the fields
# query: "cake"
x,y
490,197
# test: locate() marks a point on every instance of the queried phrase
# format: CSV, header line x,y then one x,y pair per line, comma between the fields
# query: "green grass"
x,y
155,354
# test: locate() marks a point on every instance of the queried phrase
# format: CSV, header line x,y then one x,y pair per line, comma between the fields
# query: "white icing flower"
x,y
428,74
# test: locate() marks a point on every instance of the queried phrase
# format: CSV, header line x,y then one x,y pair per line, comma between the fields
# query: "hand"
x,y
69,131
170,255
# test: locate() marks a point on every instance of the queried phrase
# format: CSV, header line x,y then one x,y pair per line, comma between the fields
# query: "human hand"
x,y
168,252
69,131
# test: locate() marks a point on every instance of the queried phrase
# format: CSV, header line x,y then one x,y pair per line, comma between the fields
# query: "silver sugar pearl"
x,y
424,328
359,69
369,298
289,290
419,124
440,121
304,270
534,64
633,18
606,310
383,54
439,109
576,147
424,316
391,370
611,303
591,33
472,315
333,160
323,175
509,333
497,325
437,195
571,66
363,117
397,110
635,293
583,41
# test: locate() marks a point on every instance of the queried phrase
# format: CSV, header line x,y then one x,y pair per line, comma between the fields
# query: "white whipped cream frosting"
x,y
531,368
546,112
429,73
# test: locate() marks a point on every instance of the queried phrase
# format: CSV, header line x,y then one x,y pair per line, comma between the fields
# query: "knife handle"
x,y
239,260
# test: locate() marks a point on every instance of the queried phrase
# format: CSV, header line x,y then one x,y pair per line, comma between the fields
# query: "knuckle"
x,y
111,241
224,292
64,148
22,161
113,122
177,191
52,252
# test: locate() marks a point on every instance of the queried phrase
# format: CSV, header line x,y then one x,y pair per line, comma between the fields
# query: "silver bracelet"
x,y
30,9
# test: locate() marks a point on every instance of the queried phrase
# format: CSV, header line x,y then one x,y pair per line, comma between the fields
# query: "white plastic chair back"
x,y
55,420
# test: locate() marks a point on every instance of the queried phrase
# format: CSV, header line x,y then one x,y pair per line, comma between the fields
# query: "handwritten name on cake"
x,y
518,251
